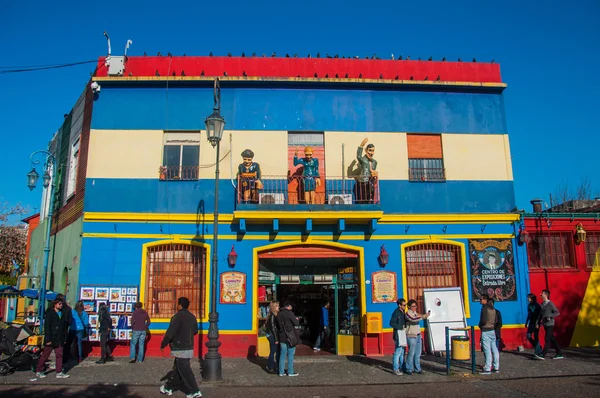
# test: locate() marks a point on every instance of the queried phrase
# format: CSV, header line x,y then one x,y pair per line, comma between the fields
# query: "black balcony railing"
x,y
178,173
292,190
426,174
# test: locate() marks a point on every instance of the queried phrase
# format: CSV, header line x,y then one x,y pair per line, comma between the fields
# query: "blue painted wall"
x,y
303,109
118,261
154,196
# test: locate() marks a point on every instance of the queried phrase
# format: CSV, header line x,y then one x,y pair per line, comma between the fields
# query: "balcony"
x,y
178,173
278,191
426,174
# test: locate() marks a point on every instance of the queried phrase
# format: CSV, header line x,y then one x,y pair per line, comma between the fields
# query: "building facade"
x,y
568,264
315,218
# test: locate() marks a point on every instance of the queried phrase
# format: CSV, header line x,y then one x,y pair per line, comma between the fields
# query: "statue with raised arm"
x,y
249,178
310,174
367,174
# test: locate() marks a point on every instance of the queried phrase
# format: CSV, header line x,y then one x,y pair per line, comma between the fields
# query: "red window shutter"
x,y
424,146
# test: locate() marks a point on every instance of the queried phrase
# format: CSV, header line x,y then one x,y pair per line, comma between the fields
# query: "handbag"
x,y
85,327
292,337
401,334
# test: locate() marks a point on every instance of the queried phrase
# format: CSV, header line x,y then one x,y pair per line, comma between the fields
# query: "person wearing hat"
x,y
249,178
310,173
367,174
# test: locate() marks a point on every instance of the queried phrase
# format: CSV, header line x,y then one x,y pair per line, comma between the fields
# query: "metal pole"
x,y
50,162
473,362
447,351
213,356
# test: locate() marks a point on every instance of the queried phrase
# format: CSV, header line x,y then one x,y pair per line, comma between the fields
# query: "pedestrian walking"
x,y
67,312
498,325
273,336
55,337
323,326
180,337
547,315
533,315
413,337
487,324
79,329
140,321
398,322
105,322
289,338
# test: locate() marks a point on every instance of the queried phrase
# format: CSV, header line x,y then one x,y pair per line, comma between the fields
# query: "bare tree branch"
x,y
13,236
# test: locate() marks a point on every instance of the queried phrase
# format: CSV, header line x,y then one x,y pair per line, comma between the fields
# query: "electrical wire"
x,y
33,69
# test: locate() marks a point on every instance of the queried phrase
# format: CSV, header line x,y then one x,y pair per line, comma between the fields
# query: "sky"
x,y
548,52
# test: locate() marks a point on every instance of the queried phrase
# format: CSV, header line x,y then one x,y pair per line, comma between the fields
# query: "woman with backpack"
x,y
79,328
273,336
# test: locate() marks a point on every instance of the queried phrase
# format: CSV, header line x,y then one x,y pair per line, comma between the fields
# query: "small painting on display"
x,y
93,335
129,321
115,320
93,321
121,307
87,293
134,291
122,334
88,306
128,307
123,291
113,307
114,334
129,291
129,333
115,294
101,293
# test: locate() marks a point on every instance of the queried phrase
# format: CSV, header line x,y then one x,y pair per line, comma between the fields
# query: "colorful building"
x,y
437,208
563,247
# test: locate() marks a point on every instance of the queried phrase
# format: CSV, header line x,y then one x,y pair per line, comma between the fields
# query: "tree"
x,y
565,192
13,236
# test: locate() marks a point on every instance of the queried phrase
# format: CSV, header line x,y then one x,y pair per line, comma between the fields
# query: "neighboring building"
x,y
442,207
560,262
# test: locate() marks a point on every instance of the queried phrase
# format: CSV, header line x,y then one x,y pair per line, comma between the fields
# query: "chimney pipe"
x,y
537,205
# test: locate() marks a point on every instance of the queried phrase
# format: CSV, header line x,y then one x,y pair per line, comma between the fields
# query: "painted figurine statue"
x,y
310,173
367,177
249,178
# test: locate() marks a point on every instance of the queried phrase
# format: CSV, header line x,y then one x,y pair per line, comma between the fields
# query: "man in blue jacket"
x,y
324,326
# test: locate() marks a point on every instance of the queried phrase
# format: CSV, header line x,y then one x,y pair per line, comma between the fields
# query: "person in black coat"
x,y
289,338
398,323
55,337
105,322
273,336
533,315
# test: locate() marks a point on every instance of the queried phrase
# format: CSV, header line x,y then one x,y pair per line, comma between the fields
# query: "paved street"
x,y
328,376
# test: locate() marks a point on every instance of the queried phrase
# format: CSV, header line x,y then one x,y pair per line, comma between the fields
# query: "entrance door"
x,y
431,265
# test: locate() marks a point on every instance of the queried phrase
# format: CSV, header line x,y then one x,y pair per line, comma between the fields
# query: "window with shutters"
x,y
425,158
173,271
551,251
592,250
73,165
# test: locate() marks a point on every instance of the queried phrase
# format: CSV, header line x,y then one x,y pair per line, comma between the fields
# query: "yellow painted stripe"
x,y
517,326
297,79
228,218
326,238
205,331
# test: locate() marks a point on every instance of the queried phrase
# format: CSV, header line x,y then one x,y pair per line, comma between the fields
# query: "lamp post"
x,y
32,179
214,131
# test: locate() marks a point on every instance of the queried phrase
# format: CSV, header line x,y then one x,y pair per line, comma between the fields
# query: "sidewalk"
x,y
320,371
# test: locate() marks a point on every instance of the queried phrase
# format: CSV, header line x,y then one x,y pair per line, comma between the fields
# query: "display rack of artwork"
x,y
119,300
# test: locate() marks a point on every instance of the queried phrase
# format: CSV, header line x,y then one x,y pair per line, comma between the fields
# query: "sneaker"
x,y
558,357
541,358
197,394
292,374
398,372
132,361
409,373
495,370
62,375
165,390
281,374
485,372
317,349
110,359
40,375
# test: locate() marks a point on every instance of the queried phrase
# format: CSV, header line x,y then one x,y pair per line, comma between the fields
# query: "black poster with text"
x,y
492,269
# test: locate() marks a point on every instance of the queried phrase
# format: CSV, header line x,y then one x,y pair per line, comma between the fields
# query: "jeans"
x,y
58,351
137,336
398,358
290,351
182,375
550,339
413,362
533,336
323,337
273,352
79,337
490,351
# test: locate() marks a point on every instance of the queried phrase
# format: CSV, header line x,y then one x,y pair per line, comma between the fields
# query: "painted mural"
x,y
492,269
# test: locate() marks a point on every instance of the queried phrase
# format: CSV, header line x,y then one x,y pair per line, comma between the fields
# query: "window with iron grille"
x,y
181,156
551,251
431,265
425,158
592,250
173,271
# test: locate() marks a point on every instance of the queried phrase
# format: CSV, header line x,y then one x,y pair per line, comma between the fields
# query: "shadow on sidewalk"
x,y
96,390
386,366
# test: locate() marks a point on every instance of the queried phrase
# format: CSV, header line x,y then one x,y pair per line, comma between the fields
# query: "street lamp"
x,y
214,131
32,179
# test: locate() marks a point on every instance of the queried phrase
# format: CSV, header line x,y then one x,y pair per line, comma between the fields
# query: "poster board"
x,y
233,288
493,269
447,310
384,287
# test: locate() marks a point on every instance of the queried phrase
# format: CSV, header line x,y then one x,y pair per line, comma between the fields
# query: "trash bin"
x,y
460,348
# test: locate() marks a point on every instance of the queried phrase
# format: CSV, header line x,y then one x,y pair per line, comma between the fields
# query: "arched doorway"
x,y
432,265
309,274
